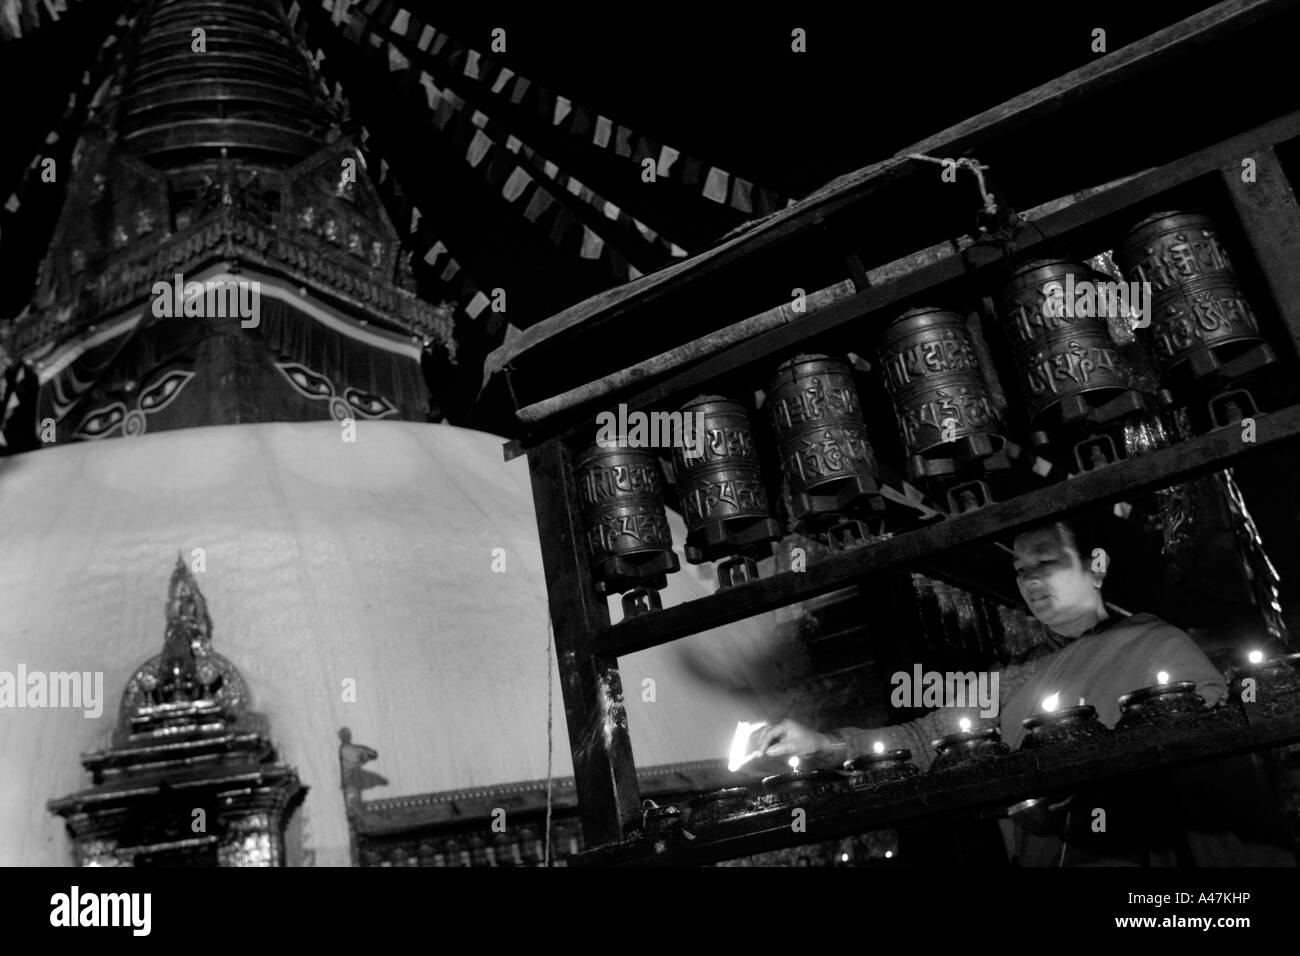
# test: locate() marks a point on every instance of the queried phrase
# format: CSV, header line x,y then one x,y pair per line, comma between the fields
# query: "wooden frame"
x,y
1267,215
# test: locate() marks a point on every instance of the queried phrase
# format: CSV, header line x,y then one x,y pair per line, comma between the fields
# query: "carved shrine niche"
x,y
330,201
191,778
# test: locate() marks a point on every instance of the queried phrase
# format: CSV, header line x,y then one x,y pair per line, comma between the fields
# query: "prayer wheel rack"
x,y
708,324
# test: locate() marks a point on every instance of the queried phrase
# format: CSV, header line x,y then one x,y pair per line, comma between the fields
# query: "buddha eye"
x,y
158,395
372,406
101,421
306,381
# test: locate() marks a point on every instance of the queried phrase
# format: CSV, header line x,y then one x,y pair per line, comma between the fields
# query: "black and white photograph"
x,y
641,440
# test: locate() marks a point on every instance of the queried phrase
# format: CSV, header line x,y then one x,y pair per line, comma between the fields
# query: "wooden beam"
x,y
1270,216
603,768
1134,476
863,309
1022,774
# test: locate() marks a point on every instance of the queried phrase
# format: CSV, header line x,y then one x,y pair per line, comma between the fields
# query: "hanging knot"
x,y
976,167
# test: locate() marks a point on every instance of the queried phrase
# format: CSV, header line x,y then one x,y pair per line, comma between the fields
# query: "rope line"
x,y
990,204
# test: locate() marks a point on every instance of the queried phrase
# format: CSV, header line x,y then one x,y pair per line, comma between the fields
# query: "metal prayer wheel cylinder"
x,y
1059,355
621,499
826,456
721,488
1197,307
933,375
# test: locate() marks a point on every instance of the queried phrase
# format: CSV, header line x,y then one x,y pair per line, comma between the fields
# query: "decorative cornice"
x,y
127,278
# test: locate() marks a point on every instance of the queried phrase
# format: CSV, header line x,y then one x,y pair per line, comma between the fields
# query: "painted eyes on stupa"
x,y
372,406
102,422
309,382
158,395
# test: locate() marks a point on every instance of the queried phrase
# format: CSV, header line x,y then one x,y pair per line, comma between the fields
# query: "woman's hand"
x,y
788,738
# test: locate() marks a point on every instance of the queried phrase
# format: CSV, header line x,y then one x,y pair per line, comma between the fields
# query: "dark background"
x,y
726,88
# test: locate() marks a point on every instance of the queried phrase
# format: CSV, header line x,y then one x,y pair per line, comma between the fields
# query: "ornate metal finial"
x,y
187,671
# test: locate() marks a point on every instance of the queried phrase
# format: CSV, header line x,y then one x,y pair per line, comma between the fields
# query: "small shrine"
x,y
191,778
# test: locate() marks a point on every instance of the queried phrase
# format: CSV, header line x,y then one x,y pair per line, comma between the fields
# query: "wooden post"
x,y
1271,219
603,769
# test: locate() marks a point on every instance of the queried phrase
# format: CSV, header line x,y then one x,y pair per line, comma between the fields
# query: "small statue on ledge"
x,y
355,779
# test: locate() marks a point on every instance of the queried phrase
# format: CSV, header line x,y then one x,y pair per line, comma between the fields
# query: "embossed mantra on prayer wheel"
x,y
933,375
723,498
1063,358
621,498
826,456
1198,311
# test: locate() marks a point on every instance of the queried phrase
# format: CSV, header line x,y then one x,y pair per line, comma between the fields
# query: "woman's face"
x,y
1052,579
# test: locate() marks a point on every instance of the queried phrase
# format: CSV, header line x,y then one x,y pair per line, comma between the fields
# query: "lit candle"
x,y
1162,677
1256,657
878,747
1050,703
964,724
794,764
1081,701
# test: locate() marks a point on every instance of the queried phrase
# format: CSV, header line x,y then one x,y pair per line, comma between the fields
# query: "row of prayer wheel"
x,y
1064,357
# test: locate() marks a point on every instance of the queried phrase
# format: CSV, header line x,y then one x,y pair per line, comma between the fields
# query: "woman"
x,y
1096,652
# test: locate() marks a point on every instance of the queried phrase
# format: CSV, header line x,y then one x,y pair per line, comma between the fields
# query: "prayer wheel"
x,y
933,375
621,499
1063,352
826,456
1198,312
719,481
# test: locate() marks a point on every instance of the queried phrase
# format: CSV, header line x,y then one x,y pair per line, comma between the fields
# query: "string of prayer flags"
x,y
477,304
516,184
715,185
538,204
560,111
592,244
562,107
623,142
581,124
667,156
741,191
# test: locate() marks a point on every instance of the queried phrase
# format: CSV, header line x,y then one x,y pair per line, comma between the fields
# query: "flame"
x,y
794,764
1050,703
1162,677
964,724
1256,657
1081,701
878,747
738,756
